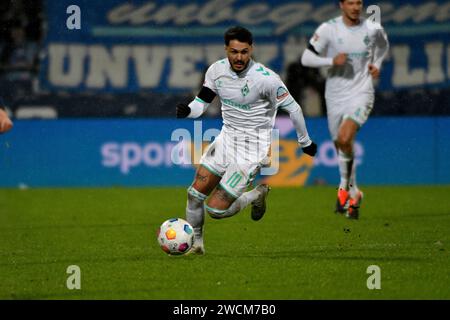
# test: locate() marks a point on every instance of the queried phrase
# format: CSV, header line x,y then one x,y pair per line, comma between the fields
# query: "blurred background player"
x,y
250,95
5,122
354,48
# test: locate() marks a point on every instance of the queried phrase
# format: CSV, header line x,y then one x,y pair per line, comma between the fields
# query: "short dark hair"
x,y
238,33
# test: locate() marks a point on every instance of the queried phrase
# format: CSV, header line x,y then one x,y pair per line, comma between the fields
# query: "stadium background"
x,y
138,60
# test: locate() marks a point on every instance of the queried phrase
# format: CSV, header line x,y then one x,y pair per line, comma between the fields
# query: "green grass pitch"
x,y
299,250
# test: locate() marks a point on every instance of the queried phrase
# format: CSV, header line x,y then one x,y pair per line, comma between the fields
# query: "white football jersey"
x,y
364,44
250,99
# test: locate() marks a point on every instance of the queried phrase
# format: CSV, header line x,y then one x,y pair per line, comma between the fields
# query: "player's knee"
x,y
346,135
345,143
195,197
216,213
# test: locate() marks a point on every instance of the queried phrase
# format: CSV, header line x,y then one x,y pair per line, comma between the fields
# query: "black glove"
x,y
311,149
183,110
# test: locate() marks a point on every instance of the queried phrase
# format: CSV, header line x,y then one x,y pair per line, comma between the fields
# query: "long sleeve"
x,y
281,99
312,56
296,115
199,105
381,48
310,59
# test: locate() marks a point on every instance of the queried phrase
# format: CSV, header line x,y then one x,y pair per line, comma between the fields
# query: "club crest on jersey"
x,y
366,40
245,90
282,93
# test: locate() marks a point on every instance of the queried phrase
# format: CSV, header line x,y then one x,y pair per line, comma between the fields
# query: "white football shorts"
x,y
357,109
236,157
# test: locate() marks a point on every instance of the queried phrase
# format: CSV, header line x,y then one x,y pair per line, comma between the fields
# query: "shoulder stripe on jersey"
x,y
286,105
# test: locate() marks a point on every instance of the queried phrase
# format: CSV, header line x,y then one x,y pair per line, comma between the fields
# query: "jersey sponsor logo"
x,y
359,55
234,104
282,93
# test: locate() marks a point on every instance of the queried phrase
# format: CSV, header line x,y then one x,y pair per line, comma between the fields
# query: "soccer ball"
x,y
176,236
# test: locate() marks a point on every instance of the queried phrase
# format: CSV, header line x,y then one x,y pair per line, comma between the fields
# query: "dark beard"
x,y
237,71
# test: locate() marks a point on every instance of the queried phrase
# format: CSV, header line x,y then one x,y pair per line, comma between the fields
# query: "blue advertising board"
x,y
91,153
166,45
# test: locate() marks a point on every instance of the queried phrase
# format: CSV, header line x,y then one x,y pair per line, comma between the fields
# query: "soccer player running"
x,y
250,95
5,122
354,48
